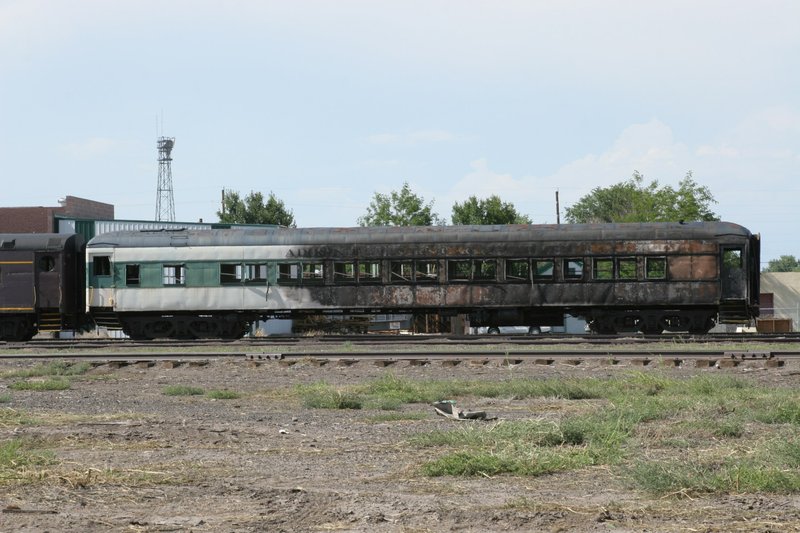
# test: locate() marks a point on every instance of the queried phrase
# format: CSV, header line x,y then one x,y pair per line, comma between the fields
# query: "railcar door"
x,y
733,277
47,266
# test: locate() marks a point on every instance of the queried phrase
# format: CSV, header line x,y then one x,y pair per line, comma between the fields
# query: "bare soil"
x,y
127,457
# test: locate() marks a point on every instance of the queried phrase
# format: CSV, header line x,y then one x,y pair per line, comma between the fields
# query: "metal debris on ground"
x,y
447,409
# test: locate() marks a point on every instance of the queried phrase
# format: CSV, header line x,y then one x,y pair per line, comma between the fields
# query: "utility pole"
x,y
558,210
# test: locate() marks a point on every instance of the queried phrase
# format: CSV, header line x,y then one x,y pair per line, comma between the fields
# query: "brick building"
x,y
43,219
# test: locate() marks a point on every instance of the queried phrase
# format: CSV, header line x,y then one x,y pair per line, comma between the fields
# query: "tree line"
x,y
633,200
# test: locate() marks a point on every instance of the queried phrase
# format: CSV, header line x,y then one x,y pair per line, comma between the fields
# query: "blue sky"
x,y
325,103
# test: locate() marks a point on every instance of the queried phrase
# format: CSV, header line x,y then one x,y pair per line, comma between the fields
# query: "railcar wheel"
x,y
704,329
203,329
534,330
493,331
161,329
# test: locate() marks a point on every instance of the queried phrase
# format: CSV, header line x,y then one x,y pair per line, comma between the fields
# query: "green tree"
x,y
491,210
254,210
785,263
403,208
635,201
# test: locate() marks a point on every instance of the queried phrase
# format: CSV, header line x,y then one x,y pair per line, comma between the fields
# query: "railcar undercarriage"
x,y
143,326
17,328
650,321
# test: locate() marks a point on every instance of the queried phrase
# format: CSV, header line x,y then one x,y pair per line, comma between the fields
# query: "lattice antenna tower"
x,y
165,201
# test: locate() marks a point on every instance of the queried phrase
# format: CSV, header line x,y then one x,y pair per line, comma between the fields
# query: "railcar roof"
x,y
421,234
38,241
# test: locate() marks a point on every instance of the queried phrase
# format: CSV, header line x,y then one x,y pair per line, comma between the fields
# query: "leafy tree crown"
x,y
254,210
635,201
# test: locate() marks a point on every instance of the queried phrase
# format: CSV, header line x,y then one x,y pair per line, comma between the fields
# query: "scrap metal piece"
x,y
447,409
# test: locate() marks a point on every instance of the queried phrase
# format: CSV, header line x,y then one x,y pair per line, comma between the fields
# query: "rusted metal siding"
x,y
689,252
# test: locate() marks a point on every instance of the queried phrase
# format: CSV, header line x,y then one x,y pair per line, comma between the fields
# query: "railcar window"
x,y
626,268
603,269
230,273
101,265
256,272
344,272
173,274
427,271
484,270
459,269
402,271
543,269
132,275
313,272
573,268
518,270
655,267
732,258
288,273
369,271
47,263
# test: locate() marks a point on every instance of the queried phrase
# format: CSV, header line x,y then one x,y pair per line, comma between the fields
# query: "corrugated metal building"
x,y
780,296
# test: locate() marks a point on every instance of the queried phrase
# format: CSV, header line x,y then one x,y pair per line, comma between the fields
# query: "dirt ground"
x,y
128,457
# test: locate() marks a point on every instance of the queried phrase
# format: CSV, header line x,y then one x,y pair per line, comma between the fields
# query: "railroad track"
x,y
428,340
640,357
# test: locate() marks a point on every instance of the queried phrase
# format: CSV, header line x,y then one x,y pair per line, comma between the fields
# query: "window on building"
x,y
626,268
517,270
47,263
288,273
313,272
344,272
573,268
369,271
230,273
256,272
543,269
732,258
173,274
459,269
101,265
401,271
427,271
132,276
484,270
655,267
603,269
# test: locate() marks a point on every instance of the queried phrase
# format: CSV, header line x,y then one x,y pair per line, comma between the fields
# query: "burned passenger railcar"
x,y
41,284
647,277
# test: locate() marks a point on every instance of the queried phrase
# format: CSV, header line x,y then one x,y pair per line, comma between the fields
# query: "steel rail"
x,y
378,340
407,355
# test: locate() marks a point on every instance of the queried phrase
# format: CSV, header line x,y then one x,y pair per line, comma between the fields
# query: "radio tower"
x,y
165,203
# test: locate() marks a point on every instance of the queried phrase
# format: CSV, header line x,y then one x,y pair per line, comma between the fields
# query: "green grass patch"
x,y
18,458
5,398
13,417
772,469
183,390
223,394
40,386
52,368
324,396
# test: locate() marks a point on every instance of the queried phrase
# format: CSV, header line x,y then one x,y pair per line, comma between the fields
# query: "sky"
x,y
325,103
